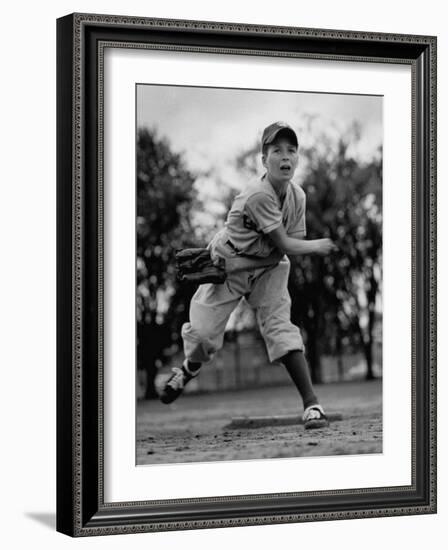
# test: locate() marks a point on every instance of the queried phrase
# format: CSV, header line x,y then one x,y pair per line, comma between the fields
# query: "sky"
x,y
210,126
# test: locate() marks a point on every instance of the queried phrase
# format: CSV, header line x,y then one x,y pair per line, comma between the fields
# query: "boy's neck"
x,y
279,187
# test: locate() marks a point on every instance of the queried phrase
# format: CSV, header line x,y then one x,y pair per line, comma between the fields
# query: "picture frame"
x,y
81,506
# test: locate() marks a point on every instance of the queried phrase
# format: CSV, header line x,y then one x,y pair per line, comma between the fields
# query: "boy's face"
x,y
281,159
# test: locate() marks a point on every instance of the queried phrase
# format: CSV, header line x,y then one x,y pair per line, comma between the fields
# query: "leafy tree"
x,y
334,298
164,196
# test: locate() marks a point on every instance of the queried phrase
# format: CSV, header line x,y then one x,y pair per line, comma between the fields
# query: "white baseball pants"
x,y
265,289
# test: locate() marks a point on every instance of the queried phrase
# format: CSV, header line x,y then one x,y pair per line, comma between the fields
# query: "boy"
x,y
268,219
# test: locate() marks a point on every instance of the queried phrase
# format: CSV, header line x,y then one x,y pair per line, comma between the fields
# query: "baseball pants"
x,y
266,291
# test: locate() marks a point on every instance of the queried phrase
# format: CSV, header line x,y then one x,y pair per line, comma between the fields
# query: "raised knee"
x,y
202,336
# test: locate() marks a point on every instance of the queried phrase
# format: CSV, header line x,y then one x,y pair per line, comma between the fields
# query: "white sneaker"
x,y
314,417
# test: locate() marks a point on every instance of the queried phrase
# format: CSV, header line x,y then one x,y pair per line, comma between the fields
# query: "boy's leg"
x,y
283,339
298,370
270,298
210,309
297,367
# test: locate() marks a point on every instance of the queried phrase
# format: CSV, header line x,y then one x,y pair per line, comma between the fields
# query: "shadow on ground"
x,y
46,519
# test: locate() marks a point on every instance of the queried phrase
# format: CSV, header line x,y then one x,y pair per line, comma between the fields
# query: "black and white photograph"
x,y
281,157
258,274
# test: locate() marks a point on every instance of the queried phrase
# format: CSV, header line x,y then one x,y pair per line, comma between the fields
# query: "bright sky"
x,y
211,125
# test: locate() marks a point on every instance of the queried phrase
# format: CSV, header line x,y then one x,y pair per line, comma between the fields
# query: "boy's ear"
x,y
263,160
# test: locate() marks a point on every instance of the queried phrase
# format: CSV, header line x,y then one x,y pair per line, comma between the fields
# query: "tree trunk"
x,y
339,355
369,359
150,392
313,356
314,333
371,296
147,354
366,346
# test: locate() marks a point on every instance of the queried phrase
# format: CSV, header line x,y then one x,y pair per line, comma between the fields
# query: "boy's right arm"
x,y
297,247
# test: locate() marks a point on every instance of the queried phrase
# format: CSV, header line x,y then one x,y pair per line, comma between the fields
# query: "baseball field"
x,y
197,428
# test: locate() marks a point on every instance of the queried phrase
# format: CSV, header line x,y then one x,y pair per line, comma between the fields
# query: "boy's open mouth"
x,y
285,168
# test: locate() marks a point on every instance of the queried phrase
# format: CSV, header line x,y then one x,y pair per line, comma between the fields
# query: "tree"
x,y
334,298
164,196
340,291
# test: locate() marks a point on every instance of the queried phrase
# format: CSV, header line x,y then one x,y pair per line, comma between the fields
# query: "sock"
x,y
297,368
192,367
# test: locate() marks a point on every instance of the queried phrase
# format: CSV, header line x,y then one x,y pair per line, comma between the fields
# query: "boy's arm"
x,y
297,247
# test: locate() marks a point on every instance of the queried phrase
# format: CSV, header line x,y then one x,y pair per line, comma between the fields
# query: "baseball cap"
x,y
271,131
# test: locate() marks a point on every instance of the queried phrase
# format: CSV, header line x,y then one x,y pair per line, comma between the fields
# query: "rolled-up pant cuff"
x,y
195,349
275,354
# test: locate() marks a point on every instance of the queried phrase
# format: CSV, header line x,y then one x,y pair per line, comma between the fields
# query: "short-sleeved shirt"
x,y
258,210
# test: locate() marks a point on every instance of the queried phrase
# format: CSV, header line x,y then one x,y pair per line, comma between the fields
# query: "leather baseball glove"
x,y
195,265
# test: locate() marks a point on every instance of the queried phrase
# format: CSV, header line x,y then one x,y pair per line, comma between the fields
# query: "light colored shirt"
x,y
258,210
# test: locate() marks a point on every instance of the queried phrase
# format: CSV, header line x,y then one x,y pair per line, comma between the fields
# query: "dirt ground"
x,y
194,428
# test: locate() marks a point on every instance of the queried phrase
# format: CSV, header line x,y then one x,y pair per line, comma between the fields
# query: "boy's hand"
x,y
324,246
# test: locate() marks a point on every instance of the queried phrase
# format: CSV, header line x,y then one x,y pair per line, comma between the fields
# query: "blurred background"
x,y
196,149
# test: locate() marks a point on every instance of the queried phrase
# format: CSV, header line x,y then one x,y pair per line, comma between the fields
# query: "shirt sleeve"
x,y
298,229
263,211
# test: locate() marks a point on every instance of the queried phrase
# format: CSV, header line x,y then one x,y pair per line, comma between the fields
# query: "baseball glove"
x,y
195,265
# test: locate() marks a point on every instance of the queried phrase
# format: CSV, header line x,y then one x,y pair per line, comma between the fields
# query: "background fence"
x,y
242,363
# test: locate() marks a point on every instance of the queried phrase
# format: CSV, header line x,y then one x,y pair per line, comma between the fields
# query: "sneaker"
x,y
176,383
314,417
